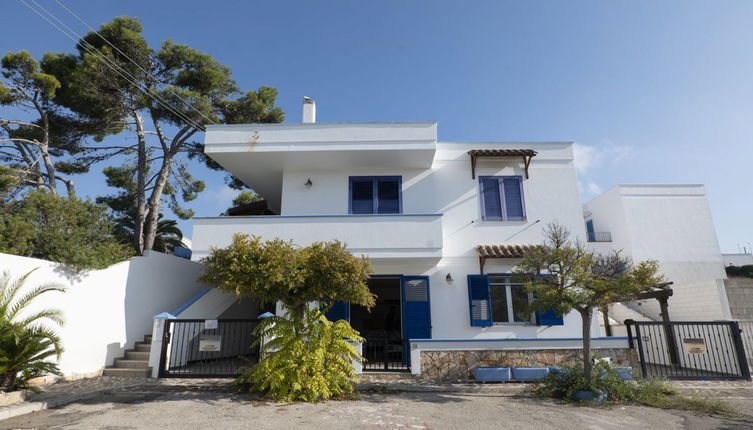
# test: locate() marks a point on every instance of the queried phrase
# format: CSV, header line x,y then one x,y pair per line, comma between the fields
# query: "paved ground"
x,y
212,404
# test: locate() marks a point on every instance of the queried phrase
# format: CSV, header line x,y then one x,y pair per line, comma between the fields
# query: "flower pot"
x,y
529,374
590,396
492,374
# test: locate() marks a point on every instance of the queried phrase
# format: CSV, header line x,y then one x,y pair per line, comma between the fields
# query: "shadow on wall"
x,y
155,283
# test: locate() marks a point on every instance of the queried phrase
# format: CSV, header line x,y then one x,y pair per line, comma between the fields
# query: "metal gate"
x,y
195,348
386,352
689,349
746,327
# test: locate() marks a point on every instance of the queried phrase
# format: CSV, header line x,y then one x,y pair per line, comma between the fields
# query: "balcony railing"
x,y
599,236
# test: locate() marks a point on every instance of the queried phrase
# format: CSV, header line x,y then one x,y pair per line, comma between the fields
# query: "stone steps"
x,y
134,363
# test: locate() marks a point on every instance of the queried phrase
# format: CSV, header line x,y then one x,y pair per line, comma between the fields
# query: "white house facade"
x,y
443,224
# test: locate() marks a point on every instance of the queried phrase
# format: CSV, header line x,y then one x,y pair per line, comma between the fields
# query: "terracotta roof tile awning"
x,y
501,251
526,154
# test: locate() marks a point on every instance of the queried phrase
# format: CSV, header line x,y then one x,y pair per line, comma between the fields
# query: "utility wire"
x,y
132,61
106,61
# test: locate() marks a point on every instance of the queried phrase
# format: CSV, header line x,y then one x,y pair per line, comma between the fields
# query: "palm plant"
x,y
26,343
167,237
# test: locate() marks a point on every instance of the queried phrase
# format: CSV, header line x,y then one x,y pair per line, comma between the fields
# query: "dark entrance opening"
x,y
382,327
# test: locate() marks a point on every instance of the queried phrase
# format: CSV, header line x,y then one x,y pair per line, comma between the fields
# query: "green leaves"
x,y
308,359
275,271
26,343
77,233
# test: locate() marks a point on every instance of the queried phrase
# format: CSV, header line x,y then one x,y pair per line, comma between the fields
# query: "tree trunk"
x,y
141,172
586,316
152,216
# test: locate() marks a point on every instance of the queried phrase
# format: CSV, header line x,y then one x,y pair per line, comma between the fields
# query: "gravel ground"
x,y
211,404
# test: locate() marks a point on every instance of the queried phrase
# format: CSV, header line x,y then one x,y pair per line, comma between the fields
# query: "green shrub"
x,y
311,361
26,344
741,271
648,392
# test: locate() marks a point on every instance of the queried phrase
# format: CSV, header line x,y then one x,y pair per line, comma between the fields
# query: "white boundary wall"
x,y
108,310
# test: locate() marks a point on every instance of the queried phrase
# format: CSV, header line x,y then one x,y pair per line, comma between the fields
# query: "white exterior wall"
x,y
737,259
550,194
108,310
671,224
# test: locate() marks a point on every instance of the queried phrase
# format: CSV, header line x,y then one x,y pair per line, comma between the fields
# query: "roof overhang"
x,y
258,153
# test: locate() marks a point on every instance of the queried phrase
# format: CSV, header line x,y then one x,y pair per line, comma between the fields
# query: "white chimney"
x,y
309,110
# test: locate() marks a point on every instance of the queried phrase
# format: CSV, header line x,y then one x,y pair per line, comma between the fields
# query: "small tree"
x,y
565,276
77,233
308,357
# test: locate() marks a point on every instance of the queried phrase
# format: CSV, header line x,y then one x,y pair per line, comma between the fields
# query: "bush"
x,y
648,392
741,271
309,362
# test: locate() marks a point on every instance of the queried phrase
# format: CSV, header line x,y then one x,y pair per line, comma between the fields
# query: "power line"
x,y
115,67
129,59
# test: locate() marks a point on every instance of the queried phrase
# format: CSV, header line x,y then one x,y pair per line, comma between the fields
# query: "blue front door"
x,y
416,310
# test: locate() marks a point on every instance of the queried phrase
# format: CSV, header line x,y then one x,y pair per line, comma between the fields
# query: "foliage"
x,y
657,393
307,357
26,343
75,232
246,197
167,238
745,271
164,97
275,271
309,362
575,278
31,149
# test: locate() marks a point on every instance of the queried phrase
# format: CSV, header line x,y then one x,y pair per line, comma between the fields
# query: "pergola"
x,y
526,154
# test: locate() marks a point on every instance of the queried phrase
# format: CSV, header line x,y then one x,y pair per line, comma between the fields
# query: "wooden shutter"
x,y
388,196
492,201
549,317
338,311
513,199
479,300
362,196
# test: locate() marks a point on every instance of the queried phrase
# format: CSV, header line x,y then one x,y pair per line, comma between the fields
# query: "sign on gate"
x,y
210,342
694,345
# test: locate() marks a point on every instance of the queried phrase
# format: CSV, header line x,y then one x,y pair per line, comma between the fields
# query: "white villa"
x,y
443,224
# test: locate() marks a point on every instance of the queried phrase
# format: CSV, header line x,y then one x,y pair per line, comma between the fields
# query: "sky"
x,y
651,92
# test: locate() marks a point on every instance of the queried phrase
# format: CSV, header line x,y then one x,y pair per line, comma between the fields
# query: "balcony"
x,y
599,236
388,238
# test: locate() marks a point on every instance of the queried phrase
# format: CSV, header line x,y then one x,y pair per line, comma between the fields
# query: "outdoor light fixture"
x,y
308,183
449,277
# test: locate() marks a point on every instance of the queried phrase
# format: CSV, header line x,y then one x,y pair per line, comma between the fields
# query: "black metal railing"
x,y
746,332
689,349
385,352
191,350
599,236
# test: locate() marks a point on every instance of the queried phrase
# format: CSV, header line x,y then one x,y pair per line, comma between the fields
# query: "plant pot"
x,y
529,374
589,396
492,374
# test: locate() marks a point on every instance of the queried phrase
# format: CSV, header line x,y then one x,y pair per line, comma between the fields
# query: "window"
x,y
494,298
375,195
502,198
509,301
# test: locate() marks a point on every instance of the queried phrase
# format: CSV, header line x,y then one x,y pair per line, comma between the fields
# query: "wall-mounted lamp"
x,y
308,183
449,277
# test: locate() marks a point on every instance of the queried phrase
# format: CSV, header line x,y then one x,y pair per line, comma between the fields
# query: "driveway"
x,y
151,407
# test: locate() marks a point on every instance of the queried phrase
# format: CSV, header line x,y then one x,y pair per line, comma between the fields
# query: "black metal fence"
x,y
689,349
746,331
198,348
385,352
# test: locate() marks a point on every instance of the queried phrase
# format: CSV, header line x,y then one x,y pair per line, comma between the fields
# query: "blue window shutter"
x,y
479,300
590,230
513,199
491,199
362,196
339,311
388,196
549,317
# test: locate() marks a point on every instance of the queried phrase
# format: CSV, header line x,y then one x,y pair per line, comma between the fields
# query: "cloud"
x,y
589,158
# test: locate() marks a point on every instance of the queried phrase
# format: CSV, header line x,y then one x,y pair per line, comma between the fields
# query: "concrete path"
x,y
191,404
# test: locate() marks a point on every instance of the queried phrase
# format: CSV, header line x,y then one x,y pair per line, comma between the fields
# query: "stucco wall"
x,y
671,224
106,311
740,295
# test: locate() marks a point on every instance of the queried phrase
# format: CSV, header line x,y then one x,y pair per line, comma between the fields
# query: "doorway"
x,y
382,327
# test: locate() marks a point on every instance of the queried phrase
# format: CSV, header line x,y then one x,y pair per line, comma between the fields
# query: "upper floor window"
x,y
375,195
502,198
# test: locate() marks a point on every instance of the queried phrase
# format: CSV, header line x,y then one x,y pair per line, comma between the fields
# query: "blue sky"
x,y
652,92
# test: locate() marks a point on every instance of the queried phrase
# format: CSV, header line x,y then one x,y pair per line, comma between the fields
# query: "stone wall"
x,y
459,365
740,297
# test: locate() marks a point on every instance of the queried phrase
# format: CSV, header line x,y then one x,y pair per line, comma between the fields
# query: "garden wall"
x,y
108,310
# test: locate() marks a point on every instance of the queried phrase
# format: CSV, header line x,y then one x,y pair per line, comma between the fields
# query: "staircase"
x,y
618,313
135,363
